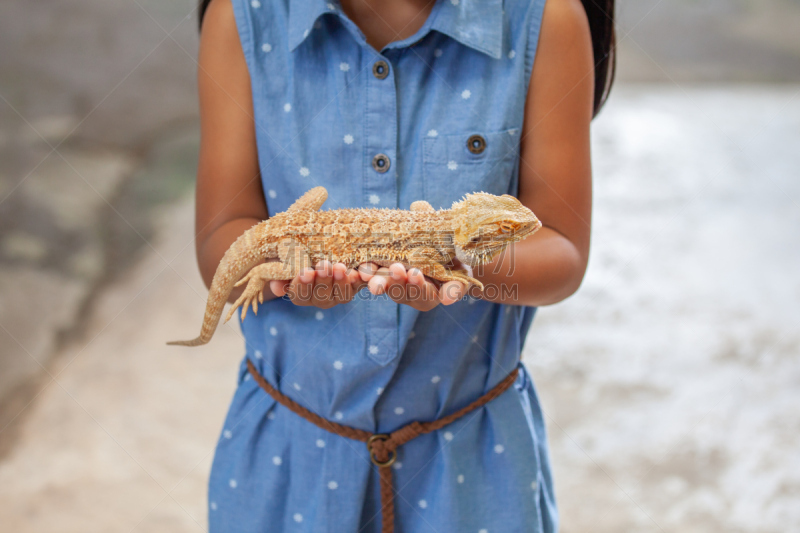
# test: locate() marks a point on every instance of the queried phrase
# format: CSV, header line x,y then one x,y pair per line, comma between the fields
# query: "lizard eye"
x,y
506,227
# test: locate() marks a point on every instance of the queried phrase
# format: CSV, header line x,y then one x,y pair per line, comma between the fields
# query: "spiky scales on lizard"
x,y
474,230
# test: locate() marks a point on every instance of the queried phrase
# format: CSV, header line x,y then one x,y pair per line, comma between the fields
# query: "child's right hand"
x,y
325,286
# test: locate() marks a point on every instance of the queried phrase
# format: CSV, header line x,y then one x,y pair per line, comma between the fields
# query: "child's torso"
x,y
431,118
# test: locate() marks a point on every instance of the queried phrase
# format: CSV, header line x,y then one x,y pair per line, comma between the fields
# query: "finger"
x,y
398,272
342,289
324,269
416,276
367,270
278,287
323,285
451,292
396,283
417,293
353,277
339,271
422,294
301,288
378,282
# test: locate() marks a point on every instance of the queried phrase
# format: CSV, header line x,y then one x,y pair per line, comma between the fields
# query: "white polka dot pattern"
x,y
325,132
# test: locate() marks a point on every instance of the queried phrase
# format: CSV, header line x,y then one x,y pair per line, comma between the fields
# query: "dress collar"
x,y
477,24
302,16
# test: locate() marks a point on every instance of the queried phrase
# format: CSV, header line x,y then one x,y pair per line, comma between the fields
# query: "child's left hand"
x,y
410,287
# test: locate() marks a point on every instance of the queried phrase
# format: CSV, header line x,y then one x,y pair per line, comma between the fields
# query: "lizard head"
x,y
485,224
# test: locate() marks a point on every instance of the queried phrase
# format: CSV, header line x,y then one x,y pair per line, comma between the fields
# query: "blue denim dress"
x,y
326,104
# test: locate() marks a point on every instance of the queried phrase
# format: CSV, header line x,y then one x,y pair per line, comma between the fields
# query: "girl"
x,y
386,103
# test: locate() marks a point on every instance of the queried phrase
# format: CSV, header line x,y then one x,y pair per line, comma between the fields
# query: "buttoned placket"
x,y
381,188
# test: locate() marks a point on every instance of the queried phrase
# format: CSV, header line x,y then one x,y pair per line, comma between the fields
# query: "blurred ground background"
x,y
669,381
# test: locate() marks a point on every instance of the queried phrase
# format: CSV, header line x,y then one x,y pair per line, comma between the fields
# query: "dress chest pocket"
x,y
456,164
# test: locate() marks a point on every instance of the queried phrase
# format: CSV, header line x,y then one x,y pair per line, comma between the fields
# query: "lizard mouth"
x,y
482,250
478,255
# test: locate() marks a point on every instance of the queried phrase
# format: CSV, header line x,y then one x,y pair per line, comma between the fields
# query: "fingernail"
x,y
338,275
378,285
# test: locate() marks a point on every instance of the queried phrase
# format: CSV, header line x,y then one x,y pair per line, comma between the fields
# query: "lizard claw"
x,y
251,297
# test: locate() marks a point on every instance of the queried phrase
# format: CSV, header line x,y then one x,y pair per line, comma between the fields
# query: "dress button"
x,y
381,163
380,69
476,144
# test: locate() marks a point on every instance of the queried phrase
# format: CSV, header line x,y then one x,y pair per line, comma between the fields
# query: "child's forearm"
x,y
211,250
544,269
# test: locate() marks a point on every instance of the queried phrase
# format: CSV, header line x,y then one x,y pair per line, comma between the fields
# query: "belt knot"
x,y
382,447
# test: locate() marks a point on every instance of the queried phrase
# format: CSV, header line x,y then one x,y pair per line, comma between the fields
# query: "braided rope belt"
x,y
382,447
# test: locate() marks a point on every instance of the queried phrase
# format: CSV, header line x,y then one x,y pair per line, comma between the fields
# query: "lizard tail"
x,y
243,255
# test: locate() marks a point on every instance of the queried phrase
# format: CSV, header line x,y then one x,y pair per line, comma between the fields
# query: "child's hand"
x,y
410,287
325,286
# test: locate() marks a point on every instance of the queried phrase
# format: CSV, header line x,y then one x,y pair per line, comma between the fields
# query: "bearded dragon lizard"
x,y
475,230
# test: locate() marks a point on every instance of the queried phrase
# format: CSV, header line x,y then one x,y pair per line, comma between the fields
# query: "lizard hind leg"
x,y
256,280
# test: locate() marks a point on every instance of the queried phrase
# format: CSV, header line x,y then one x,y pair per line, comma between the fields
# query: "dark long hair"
x,y
604,44
601,23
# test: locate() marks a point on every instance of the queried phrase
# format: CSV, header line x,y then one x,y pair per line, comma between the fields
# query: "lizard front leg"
x,y
440,273
429,261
